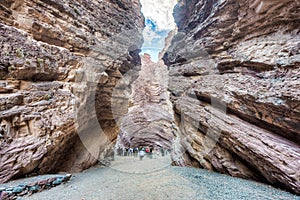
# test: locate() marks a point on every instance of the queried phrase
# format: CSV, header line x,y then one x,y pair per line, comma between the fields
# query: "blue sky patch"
x,y
158,22
151,24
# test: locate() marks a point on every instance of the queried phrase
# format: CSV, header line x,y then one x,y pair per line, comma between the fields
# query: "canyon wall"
x,y
150,117
234,69
59,64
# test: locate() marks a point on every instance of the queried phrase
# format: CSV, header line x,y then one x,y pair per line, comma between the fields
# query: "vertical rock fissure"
x,y
150,118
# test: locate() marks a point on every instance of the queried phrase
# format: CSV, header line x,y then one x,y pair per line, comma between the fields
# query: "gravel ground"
x,y
154,179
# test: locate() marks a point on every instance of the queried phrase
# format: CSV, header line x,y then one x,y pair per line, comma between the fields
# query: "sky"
x,y
159,21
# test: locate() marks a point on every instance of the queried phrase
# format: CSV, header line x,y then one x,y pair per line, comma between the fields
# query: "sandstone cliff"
x,y
59,63
149,120
234,69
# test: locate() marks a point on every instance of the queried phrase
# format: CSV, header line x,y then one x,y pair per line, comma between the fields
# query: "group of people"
x,y
127,151
141,152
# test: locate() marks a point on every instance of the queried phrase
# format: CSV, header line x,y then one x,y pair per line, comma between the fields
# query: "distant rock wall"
x,y
59,63
150,117
234,69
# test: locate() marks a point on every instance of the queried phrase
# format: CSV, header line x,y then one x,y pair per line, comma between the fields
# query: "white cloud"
x,y
160,11
149,35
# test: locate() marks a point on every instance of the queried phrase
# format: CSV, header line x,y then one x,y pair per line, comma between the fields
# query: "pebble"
x,y
9,189
57,182
17,189
24,189
169,183
34,188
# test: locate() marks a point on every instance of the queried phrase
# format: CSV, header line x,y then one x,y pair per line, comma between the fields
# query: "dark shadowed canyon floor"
x,y
125,180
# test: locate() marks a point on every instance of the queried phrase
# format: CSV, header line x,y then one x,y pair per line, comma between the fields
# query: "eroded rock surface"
x,y
150,118
59,63
234,78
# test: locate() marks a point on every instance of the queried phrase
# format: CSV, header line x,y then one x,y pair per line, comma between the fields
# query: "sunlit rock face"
x,y
150,119
234,69
59,63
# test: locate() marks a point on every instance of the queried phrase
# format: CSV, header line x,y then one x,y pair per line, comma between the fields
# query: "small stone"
x,y
68,176
22,185
34,188
17,189
197,176
57,181
9,189
3,195
32,184
50,180
43,182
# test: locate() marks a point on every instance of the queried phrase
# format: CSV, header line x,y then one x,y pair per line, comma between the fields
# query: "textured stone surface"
x,y
23,187
149,120
234,78
59,63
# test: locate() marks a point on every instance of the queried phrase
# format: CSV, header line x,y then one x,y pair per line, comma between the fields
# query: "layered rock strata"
x,y
59,64
149,121
234,69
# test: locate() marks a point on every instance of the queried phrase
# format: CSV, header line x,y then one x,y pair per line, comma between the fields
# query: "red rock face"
x,y
149,119
59,63
234,69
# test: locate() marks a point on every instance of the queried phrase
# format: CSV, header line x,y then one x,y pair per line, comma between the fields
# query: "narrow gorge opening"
x,y
84,83
149,123
159,21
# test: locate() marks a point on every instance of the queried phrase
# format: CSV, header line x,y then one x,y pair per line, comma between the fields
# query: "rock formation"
x,y
149,120
234,77
59,64
234,69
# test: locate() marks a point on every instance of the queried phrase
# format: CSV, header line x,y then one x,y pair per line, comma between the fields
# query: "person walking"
x,y
130,151
151,153
157,152
142,154
123,151
135,151
119,151
162,151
